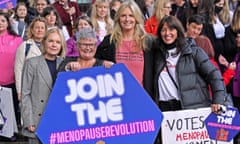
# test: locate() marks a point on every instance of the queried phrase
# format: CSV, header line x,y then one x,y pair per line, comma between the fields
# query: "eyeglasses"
x,y
85,45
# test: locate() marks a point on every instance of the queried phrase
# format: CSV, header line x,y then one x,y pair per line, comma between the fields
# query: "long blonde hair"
x,y
139,32
235,25
158,10
224,15
107,19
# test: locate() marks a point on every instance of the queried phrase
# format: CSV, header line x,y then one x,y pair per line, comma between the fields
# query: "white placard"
x,y
186,127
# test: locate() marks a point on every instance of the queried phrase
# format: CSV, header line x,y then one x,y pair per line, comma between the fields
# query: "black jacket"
x,y
194,72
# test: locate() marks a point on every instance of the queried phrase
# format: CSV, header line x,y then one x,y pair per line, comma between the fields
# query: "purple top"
x,y
236,78
72,50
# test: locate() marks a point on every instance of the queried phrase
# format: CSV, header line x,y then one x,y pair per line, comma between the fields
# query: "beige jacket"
x,y
20,59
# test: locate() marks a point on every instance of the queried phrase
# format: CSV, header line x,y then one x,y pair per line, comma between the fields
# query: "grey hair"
x,y
86,33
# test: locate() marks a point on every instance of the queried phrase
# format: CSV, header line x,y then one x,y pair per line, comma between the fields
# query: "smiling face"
x,y
87,48
52,45
194,29
38,30
167,8
127,20
168,35
83,24
40,5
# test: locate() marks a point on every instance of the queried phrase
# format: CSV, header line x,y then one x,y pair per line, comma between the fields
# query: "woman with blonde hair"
x,y
161,9
29,48
39,75
101,19
230,44
129,44
220,18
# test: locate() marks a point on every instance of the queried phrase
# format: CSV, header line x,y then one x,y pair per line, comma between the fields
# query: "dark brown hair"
x,y
173,23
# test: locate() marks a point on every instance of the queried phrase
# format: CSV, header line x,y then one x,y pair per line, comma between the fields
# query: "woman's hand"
x,y
71,11
31,128
232,65
222,60
107,64
73,66
216,108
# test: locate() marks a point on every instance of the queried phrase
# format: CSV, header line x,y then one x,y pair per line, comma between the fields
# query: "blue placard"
x,y
225,126
99,105
7,4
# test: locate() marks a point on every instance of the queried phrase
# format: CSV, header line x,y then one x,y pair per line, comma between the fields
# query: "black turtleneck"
x,y
170,46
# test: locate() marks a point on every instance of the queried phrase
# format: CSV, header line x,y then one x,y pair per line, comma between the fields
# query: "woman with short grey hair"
x,y
87,46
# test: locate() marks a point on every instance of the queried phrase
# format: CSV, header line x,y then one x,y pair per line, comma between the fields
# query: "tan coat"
x,y
20,59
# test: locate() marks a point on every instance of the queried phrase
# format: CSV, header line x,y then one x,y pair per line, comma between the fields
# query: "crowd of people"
x,y
184,53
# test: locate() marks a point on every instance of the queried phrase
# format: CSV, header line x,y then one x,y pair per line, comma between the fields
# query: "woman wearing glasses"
x,y
87,46
161,9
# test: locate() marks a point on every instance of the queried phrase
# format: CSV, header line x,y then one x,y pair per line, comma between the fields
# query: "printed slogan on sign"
x,y
99,104
187,127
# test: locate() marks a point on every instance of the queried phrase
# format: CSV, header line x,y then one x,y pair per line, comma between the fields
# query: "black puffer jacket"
x,y
194,72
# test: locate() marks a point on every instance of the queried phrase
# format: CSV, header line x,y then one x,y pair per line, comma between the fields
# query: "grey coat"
x,y
36,87
194,73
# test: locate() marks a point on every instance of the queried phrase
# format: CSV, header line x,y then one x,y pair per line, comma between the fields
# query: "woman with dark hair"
x,y
9,42
20,22
183,71
54,20
193,7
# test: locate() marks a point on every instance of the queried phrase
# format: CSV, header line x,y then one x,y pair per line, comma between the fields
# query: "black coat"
x,y
230,44
194,73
